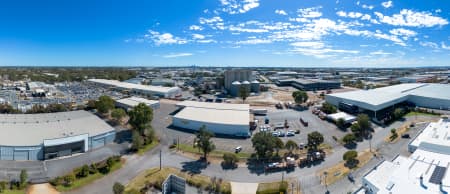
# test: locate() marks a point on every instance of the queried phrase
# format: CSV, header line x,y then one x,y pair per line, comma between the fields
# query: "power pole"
x,y
160,159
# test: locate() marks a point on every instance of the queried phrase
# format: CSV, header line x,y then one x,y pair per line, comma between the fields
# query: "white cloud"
x,y
198,36
413,19
403,32
444,46
312,12
254,41
164,38
175,55
238,6
280,12
314,45
387,4
214,19
379,52
429,44
350,14
369,7
195,27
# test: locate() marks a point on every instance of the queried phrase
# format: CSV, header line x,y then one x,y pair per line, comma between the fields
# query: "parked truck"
x,y
259,111
287,164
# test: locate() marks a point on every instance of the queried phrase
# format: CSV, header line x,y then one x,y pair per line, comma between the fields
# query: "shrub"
x,y
230,159
3,185
69,179
118,188
84,171
57,181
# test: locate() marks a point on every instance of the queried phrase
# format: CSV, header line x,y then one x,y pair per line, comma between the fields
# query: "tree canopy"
x,y
265,144
141,117
300,96
315,139
104,104
243,93
203,141
328,108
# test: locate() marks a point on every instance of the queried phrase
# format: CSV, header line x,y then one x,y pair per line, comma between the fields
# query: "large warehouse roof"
x,y
382,97
221,113
126,85
134,101
32,129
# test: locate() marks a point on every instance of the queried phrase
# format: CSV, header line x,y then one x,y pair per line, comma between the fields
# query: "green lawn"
x,y
272,188
215,153
87,180
412,113
147,147
13,192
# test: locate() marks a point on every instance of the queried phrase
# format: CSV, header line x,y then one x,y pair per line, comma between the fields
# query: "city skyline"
x,y
225,33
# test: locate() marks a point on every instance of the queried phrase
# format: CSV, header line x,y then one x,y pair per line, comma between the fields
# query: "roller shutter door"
x,y
7,153
20,155
96,143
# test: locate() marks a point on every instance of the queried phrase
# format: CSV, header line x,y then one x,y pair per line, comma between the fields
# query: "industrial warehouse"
x,y
131,102
146,90
422,172
219,118
51,135
379,102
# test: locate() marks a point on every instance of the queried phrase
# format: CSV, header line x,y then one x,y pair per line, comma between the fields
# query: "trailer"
x,y
258,111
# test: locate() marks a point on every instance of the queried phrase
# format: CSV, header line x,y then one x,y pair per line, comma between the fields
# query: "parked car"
x,y
281,134
290,134
406,136
266,120
238,149
276,133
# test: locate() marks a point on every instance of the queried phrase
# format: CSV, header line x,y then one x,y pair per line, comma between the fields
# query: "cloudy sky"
x,y
294,33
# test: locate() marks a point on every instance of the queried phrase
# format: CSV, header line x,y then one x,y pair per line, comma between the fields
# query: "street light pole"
x,y
160,160
325,180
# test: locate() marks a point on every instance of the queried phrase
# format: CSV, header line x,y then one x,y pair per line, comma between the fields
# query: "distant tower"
x,y
236,75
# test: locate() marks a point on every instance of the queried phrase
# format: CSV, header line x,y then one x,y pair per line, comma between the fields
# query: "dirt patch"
x,y
243,188
44,188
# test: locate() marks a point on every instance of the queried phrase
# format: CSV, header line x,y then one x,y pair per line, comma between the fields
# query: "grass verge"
x,y
7,191
215,153
339,170
272,188
78,183
148,147
156,177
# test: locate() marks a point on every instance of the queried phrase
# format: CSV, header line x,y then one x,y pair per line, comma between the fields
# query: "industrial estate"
x,y
302,130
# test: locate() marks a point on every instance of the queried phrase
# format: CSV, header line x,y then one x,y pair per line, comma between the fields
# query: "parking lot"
x,y
162,121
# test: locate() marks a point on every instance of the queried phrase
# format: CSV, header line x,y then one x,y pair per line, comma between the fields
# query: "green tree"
x,y
91,105
394,134
203,141
141,117
263,144
230,159
104,104
364,123
398,113
118,188
328,108
290,145
118,114
349,138
23,178
300,96
243,93
137,140
278,144
340,123
350,158
69,179
356,129
84,171
315,139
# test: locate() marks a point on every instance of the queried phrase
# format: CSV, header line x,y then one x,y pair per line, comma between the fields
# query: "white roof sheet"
x,y
134,101
222,113
126,85
219,116
211,105
386,95
32,129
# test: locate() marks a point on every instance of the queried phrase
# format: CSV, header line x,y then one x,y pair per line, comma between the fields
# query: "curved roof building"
x,y
51,135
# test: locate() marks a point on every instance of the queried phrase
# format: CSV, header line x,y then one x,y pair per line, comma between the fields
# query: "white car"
x,y
238,149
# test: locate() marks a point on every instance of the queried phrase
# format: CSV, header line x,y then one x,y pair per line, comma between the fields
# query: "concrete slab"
x,y
243,188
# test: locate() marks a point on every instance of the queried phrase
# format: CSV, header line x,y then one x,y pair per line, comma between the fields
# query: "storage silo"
x,y
234,90
254,86
246,84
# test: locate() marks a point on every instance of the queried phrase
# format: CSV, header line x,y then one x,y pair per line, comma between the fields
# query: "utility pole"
x,y
160,159
325,180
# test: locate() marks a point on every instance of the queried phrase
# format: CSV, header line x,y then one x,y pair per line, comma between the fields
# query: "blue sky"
x,y
291,33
